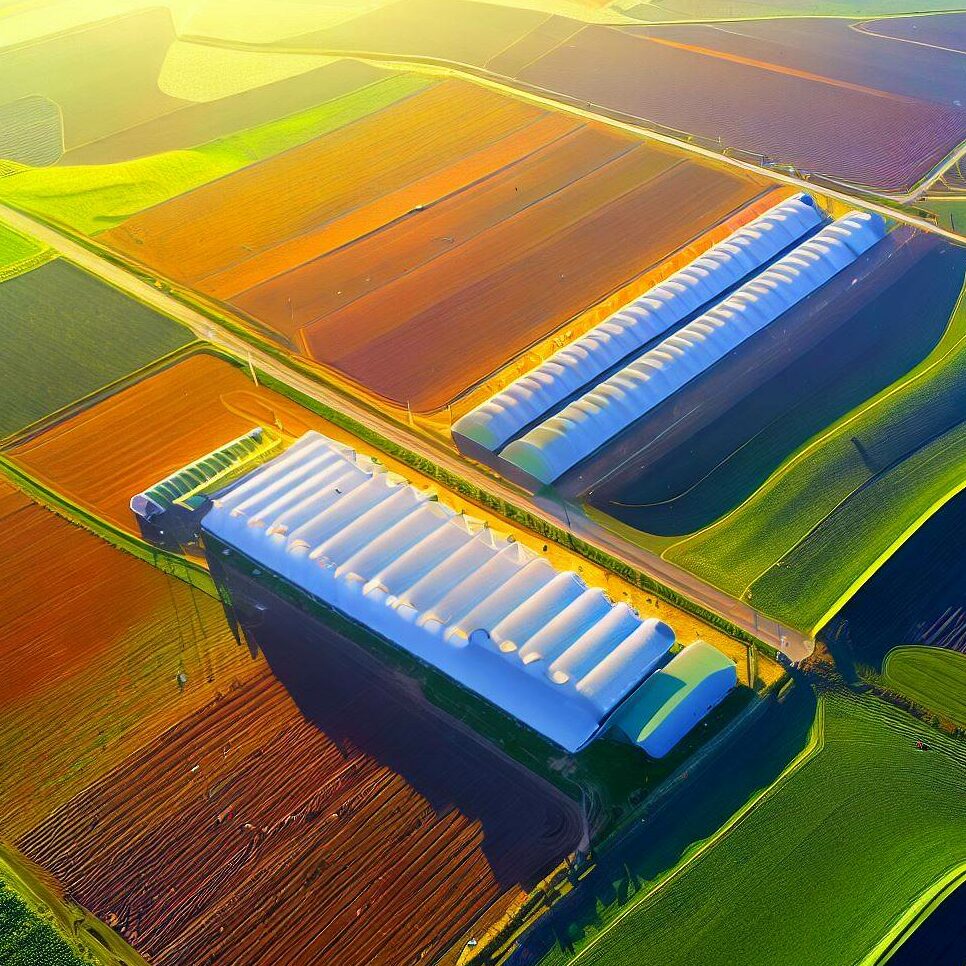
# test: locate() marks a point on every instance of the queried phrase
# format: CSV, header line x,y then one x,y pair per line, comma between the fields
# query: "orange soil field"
x,y
102,456
434,191
324,285
318,808
433,333
93,641
228,221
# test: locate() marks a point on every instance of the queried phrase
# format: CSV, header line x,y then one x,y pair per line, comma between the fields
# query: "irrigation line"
x,y
814,747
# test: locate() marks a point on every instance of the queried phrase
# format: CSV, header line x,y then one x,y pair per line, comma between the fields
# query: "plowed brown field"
x,y
93,641
317,813
324,285
214,227
437,190
436,331
104,455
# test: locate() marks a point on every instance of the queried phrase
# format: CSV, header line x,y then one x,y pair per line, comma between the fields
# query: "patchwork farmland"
x,y
862,786
830,100
210,401
385,277
481,483
314,790
110,336
105,650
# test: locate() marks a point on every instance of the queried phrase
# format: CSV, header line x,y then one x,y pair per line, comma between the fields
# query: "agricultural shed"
x,y
203,473
173,506
501,418
497,618
556,445
675,698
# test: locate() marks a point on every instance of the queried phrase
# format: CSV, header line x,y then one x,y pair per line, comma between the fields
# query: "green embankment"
x,y
27,940
857,832
19,254
93,198
66,334
804,542
933,677
39,926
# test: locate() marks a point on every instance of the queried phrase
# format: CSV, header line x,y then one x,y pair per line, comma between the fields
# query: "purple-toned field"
x,y
790,103
945,31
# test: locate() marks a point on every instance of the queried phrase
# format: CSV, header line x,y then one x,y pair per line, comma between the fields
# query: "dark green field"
x,y
930,676
26,940
817,872
65,334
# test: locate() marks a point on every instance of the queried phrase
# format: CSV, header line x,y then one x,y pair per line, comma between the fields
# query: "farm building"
x,y
169,512
560,442
531,397
674,699
497,618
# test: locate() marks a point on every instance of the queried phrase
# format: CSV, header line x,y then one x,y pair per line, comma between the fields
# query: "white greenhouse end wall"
x,y
704,280
494,616
553,447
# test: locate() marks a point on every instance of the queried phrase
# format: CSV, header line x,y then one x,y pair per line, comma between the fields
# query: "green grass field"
x,y
821,524
93,198
931,676
65,334
846,844
26,940
18,254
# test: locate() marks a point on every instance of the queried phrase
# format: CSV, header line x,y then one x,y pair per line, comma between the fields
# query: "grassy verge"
x,y
19,254
509,511
39,927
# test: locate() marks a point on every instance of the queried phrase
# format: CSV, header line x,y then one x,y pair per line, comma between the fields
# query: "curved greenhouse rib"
x,y
550,449
705,279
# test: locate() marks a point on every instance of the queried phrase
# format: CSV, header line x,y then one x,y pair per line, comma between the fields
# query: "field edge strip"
x,y
814,747
172,564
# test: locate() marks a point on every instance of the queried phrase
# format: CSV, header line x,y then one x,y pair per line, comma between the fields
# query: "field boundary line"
x,y
816,743
168,563
914,375
85,934
907,924
411,445
896,544
638,127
